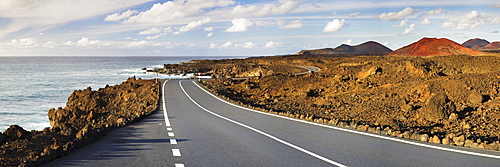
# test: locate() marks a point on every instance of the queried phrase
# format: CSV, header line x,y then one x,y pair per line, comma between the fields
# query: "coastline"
x,y
88,115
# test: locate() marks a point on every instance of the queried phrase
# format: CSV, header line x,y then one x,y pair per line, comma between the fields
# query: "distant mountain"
x,y
476,43
435,46
367,47
492,46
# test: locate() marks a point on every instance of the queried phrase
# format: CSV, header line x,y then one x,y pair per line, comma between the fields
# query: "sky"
x,y
233,27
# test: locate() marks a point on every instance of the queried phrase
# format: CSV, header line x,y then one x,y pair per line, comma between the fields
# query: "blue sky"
x,y
233,27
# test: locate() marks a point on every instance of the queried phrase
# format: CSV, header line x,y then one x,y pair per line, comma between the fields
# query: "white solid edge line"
x,y
176,152
167,122
262,133
356,132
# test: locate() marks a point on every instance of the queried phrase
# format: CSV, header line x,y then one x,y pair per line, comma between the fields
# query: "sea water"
x,y
30,86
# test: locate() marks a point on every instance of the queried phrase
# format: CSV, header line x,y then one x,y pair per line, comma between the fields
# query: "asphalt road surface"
x,y
201,130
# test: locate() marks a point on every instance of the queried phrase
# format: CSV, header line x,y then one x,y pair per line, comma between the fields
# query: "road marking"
x,y
170,134
167,122
176,152
169,129
263,133
173,141
356,132
179,165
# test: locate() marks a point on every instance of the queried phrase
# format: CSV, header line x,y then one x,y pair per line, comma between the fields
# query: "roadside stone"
x,y
459,141
424,137
437,107
466,126
453,117
415,136
469,143
435,139
395,133
406,108
475,98
492,146
371,129
407,134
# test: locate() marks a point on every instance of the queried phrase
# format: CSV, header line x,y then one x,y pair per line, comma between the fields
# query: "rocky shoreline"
x,y
88,115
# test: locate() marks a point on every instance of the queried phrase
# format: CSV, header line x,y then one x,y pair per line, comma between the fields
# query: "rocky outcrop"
x,y
88,115
435,47
437,108
364,48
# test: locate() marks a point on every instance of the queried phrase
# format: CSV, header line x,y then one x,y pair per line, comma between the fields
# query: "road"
x,y
201,130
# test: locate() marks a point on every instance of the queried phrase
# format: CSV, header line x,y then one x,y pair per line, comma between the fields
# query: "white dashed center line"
x,y
176,152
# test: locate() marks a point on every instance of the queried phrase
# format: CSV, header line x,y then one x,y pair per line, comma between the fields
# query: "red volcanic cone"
x,y
435,46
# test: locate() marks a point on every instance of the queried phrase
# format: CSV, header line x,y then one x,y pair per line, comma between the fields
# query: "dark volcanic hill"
x,y
367,47
435,46
477,43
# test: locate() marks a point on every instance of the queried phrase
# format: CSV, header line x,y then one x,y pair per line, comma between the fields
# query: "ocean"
x,y
30,86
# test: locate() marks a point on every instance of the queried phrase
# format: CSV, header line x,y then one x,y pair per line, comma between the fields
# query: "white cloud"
x,y
471,20
208,29
239,25
248,45
155,36
118,16
272,44
393,16
47,14
409,29
86,42
158,31
448,24
289,25
435,12
461,35
214,46
154,30
137,44
267,22
227,45
402,23
24,43
354,14
194,24
348,42
426,21
175,9
334,25
210,34
285,6
497,5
